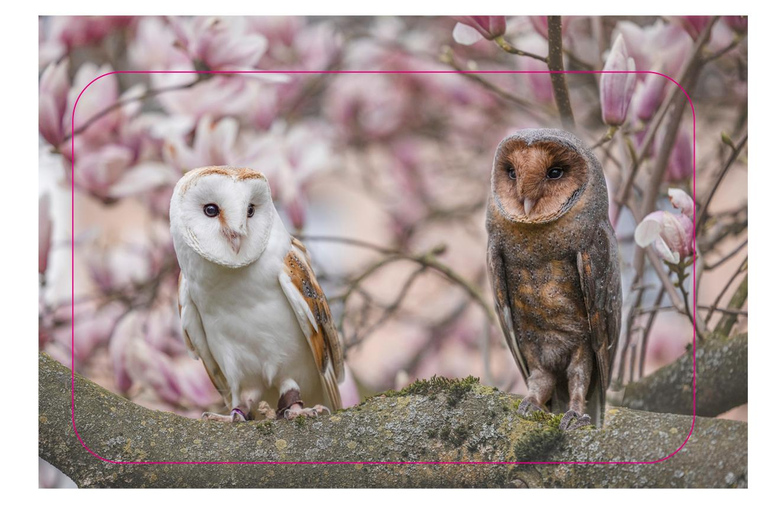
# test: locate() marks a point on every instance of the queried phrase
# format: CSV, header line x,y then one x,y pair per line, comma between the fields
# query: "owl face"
x,y
225,214
539,181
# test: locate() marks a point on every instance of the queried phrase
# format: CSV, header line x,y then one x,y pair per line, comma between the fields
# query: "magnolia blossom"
x,y
680,165
737,23
54,86
616,88
659,47
45,232
471,29
219,43
289,156
672,235
693,24
648,97
682,201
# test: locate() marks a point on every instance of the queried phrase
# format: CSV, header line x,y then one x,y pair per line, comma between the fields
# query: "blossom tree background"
x,y
385,177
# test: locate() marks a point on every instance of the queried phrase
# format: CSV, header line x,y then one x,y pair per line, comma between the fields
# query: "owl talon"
x,y
527,406
573,421
297,410
235,416
268,412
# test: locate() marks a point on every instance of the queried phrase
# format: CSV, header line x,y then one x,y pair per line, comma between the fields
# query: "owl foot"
x,y
266,410
573,420
235,416
527,406
296,410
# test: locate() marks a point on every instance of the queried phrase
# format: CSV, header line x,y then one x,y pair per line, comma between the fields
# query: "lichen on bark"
x,y
388,441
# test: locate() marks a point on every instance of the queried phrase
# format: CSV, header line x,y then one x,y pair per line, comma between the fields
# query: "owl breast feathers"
x,y
554,270
251,307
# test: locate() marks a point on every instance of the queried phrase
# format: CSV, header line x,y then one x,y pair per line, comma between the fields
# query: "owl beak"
x,y
528,205
234,239
234,242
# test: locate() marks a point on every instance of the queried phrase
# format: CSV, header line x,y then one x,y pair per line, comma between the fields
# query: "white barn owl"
x,y
251,308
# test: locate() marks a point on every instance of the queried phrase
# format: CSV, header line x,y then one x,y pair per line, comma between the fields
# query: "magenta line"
x,y
367,72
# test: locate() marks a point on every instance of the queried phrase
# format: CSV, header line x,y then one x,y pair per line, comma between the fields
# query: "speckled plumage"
x,y
553,265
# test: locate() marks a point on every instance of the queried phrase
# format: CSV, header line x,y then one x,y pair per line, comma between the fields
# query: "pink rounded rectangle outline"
x,y
370,72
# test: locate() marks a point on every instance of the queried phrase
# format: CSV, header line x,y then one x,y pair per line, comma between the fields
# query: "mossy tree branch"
x,y
438,420
721,381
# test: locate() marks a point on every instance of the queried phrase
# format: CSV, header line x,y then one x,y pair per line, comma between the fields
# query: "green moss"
x,y
300,421
537,443
455,389
265,427
455,437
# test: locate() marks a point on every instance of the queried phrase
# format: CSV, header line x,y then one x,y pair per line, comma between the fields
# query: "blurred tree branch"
x,y
721,381
439,420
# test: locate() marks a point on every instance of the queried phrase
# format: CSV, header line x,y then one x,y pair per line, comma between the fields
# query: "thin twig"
x,y
703,211
690,70
125,101
504,45
727,256
556,68
647,332
741,268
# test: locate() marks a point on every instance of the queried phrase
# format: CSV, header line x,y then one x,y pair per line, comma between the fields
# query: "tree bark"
x,y
721,381
431,421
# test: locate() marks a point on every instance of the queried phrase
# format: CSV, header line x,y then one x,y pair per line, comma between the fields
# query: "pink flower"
x,y
54,85
100,94
289,157
219,43
470,29
680,165
693,24
648,97
737,23
60,34
616,89
45,233
366,106
672,235
214,144
659,47
682,201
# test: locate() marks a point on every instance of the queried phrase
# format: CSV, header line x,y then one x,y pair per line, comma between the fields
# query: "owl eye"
x,y
511,172
211,210
251,210
555,173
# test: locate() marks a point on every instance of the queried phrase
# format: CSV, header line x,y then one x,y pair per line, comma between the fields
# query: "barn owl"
x,y
251,308
554,269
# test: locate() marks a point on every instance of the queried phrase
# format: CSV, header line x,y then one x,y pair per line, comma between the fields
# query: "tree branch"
x,y
556,66
721,381
439,420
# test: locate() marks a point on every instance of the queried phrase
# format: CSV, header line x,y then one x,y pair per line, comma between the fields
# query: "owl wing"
x,y
498,276
197,343
600,279
314,315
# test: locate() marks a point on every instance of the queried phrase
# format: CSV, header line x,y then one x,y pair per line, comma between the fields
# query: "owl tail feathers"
x,y
331,388
596,401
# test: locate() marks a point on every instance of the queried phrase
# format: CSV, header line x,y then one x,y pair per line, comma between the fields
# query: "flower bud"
x,y
488,27
616,88
681,201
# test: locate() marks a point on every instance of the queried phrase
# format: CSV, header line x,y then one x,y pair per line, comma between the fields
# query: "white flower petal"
x,y
466,35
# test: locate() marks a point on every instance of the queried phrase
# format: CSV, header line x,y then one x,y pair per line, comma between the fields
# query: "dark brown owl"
x,y
554,269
